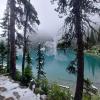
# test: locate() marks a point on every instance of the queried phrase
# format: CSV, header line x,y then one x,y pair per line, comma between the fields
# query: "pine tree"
x,y
76,23
12,39
40,64
30,15
5,27
28,59
92,38
18,13
28,70
3,53
99,36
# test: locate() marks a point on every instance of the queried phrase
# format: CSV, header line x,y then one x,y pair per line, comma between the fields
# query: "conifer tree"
x,y
3,53
5,27
31,18
18,13
76,23
40,64
92,38
12,39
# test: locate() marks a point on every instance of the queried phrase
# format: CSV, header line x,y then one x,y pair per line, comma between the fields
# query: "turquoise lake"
x,y
55,68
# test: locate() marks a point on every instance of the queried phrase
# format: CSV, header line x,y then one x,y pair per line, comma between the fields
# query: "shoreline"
x,y
91,54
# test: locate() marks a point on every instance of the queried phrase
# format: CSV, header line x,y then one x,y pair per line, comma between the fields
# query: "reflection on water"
x,y
55,67
92,66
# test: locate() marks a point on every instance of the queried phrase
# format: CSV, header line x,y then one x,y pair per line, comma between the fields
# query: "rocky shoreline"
x,y
11,90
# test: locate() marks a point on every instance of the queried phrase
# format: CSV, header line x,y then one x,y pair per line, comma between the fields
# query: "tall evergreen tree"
x,y
76,23
20,12
5,27
40,64
28,59
3,53
99,36
12,39
92,38
30,15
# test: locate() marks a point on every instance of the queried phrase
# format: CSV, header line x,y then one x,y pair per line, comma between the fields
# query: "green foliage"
x,y
64,42
56,93
88,88
18,75
27,76
40,64
44,86
3,52
92,40
3,70
72,67
86,97
38,91
3,57
87,82
28,72
28,59
91,97
99,35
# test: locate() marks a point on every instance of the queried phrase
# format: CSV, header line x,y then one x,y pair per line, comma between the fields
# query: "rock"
x,y
38,96
2,97
10,98
16,94
22,87
11,80
14,91
31,84
43,97
3,89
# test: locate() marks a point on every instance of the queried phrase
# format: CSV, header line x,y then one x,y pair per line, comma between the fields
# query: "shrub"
x,y
90,97
27,76
38,91
18,75
3,70
44,86
56,93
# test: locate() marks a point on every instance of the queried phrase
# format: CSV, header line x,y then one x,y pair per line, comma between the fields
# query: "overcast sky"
x,y
50,22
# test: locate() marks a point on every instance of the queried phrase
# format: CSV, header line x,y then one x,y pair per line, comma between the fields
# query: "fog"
x,y
50,22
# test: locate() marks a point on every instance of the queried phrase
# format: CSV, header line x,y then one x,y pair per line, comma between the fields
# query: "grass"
x,y
93,97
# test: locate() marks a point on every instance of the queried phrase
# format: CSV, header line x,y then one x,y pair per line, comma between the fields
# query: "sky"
x,y
50,23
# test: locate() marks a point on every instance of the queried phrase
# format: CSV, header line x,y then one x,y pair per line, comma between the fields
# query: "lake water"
x,y
55,68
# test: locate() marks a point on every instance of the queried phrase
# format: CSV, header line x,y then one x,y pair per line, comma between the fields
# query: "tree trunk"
x,y
8,54
80,54
2,61
25,44
8,47
12,39
39,60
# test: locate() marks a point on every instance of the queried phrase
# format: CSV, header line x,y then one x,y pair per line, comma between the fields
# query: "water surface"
x,y
55,67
